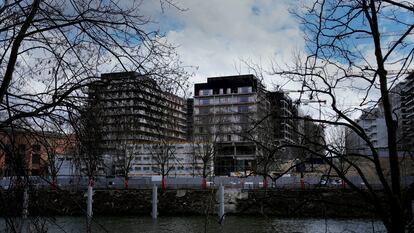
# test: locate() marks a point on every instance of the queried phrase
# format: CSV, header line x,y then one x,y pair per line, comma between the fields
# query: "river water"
x,y
232,224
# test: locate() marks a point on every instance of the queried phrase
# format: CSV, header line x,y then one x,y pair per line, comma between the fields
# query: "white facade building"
x,y
180,159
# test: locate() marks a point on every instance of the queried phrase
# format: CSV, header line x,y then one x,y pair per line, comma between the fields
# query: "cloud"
x,y
215,35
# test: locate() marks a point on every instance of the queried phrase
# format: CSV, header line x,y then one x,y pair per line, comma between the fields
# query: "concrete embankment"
x,y
276,202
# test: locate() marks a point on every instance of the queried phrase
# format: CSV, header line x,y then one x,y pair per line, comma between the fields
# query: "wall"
x,y
317,203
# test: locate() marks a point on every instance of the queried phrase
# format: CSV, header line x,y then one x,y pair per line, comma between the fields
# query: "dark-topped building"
x,y
225,110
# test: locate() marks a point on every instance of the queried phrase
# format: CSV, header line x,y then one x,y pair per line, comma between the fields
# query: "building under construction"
x,y
129,108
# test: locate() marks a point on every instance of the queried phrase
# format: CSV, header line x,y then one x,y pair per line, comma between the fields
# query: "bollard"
x,y
221,203
154,212
89,201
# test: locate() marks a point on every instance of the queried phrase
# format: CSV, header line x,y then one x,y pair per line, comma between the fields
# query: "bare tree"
x,y
123,162
205,149
51,49
163,153
352,48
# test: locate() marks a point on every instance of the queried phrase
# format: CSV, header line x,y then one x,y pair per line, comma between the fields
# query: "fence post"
x,y
221,203
154,212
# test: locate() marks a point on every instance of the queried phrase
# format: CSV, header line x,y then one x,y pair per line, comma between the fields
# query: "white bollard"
x,y
89,202
154,212
221,203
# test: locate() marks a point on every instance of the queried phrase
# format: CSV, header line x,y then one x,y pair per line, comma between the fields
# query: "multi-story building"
x,y
190,119
130,108
374,125
225,110
284,114
26,152
372,122
150,159
407,102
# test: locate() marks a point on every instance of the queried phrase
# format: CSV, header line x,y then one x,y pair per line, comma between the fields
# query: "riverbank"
x,y
312,203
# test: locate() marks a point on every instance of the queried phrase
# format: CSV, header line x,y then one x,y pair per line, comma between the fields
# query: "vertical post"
x,y
343,183
221,203
25,203
154,212
264,182
302,182
412,208
204,183
89,206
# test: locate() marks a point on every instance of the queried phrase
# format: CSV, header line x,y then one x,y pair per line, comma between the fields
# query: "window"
x,y
229,137
204,101
21,148
206,92
243,108
244,119
146,168
245,89
36,148
204,110
243,99
36,159
221,91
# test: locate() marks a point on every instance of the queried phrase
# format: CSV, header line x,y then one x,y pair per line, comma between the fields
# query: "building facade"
x,y
151,159
285,123
225,112
130,109
28,153
374,125
408,113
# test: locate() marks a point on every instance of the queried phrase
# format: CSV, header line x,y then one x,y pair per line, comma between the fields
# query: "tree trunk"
x,y
398,219
126,182
204,183
163,183
54,183
264,182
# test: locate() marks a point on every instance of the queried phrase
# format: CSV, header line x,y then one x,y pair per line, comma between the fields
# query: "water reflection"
x,y
233,224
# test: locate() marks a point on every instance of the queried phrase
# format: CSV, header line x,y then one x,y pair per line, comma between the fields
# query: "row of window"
x,y
223,119
223,91
156,169
225,109
225,100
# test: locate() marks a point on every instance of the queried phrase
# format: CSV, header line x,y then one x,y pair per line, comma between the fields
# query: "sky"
x,y
218,37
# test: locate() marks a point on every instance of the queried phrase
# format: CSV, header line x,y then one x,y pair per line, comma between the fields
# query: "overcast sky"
x,y
217,36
